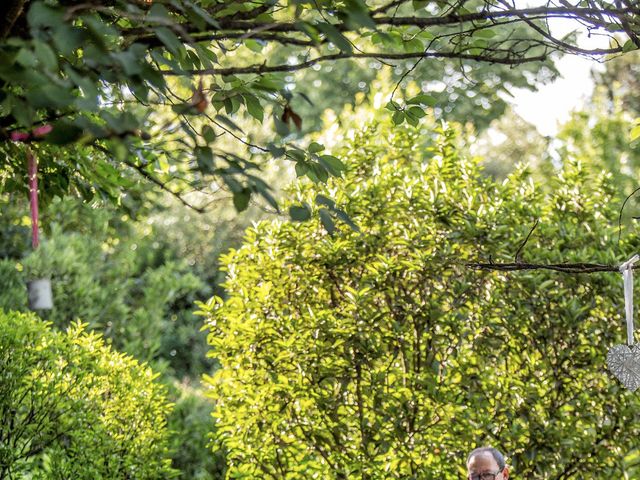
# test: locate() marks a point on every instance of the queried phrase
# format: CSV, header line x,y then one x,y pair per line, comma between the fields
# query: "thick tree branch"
x,y
259,69
453,18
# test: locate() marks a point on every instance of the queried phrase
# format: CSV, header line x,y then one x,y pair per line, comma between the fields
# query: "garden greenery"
x,y
376,353
71,407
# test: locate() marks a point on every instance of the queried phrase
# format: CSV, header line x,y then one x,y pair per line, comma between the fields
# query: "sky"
x,y
552,104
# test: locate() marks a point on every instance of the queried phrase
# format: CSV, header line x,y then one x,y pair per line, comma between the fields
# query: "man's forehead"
x,y
483,460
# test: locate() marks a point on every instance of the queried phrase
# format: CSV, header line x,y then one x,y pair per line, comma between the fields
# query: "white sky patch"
x,y
552,104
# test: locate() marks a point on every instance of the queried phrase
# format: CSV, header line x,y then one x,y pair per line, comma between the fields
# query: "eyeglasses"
x,y
484,476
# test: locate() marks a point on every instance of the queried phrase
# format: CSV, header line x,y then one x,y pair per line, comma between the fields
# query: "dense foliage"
x,y
133,280
379,354
120,277
157,89
71,407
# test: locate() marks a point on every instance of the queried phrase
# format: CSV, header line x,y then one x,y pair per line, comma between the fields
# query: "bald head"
x,y
487,463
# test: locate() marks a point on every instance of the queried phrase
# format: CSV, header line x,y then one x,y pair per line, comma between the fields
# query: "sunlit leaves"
x,y
68,392
370,331
635,131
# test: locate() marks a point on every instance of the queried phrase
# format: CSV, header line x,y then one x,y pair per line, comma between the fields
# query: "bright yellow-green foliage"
x,y
72,408
379,355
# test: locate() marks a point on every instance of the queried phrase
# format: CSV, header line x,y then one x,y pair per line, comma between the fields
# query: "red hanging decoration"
x,y
33,197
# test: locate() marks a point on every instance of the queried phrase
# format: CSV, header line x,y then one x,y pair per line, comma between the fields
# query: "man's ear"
x,y
505,473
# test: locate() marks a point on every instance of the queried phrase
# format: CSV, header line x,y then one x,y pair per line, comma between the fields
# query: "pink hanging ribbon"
x,y
33,197
32,161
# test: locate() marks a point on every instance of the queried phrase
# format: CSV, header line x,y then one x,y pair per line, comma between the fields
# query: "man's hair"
x,y
499,458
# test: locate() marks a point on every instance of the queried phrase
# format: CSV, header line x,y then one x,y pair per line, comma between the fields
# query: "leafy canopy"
x,y
157,89
378,354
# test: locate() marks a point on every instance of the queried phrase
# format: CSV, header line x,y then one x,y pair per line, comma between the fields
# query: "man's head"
x,y
486,463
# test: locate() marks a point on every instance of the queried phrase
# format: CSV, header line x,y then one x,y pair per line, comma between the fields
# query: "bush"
x,y
379,354
71,407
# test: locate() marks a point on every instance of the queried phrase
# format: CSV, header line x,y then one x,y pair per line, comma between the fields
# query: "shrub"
x,y
71,407
379,354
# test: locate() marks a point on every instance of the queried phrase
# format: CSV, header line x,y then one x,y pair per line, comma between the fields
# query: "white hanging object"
x,y
624,360
40,296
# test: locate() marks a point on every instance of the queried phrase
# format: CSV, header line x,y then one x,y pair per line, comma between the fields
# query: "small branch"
x,y
558,267
140,169
622,209
517,256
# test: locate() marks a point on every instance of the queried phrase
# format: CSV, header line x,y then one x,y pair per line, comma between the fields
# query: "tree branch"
x,y
259,69
558,267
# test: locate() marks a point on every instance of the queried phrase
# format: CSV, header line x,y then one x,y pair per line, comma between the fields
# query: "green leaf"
x,y
358,15
26,58
327,221
423,99
635,133
158,13
296,155
276,150
204,158
64,133
254,45
335,36
209,134
130,61
413,45
301,169
170,40
392,106
308,30
628,46
253,106
415,112
241,199
333,164
484,33
318,173
300,213
326,201
315,147
398,118
203,14
41,15
342,215
46,55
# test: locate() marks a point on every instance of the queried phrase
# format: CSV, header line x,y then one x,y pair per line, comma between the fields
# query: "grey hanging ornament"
x,y
624,360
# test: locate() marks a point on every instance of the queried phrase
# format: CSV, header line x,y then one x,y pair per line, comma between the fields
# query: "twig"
x,y
621,210
517,256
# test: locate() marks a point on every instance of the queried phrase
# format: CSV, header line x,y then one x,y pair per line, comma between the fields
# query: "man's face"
x,y
484,467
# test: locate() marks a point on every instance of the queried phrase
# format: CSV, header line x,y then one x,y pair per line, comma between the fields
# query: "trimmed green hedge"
x,y
71,407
